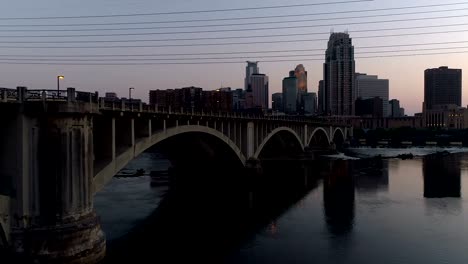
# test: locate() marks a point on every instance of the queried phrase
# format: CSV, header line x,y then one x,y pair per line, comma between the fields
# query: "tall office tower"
x,y
259,88
338,75
277,102
442,86
290,95
250,69
370,86
394,109
321,98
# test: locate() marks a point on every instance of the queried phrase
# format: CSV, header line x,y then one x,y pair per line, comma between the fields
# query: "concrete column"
x,y
305,135
113,139
164,125
250,140
214,125
240,137
176,123
62,227
132,128
229,129
235,133
150,129
222,127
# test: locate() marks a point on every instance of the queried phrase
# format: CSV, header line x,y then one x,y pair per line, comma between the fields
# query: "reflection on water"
x,y
442,176
338,198
364,211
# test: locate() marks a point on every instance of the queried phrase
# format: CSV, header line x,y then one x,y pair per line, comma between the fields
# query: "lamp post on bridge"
x,y
60,77
130,96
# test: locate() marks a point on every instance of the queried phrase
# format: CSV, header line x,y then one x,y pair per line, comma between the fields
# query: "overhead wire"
x,y
188,11
232,43
234,30
233,37
233,18
234,24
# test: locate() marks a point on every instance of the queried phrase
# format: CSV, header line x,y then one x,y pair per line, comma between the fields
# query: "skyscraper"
x,y
394,108
277,102
338,75
301,74
321,97
259,88
442,86
251,68
370,86
290,95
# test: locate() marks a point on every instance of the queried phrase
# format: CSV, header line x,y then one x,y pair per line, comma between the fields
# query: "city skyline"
x,y
406,74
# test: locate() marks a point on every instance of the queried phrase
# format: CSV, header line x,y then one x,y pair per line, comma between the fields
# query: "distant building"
x,y
250,69
446,116
217,101
290,95
321,98
110,96
338,76
260,93
238,99
193,98
442,86
394,108
402,111
371,107
370,86
310,103
277,102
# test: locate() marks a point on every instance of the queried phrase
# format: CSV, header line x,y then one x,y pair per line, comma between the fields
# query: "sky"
x,y
406,73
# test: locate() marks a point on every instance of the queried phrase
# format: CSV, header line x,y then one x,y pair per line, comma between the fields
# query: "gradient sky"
x,y
405,73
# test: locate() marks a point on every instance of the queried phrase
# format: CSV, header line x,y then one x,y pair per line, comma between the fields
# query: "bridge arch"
x,y
338,136
108,172
319,131
272,134
3,239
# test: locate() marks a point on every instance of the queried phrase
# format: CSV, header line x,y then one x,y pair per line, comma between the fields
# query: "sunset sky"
x,y
405,73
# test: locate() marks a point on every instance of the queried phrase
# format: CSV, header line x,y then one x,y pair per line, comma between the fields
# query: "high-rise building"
x,y
238,99
277,102
290,95
394,108
259,88
338,75
371,107
309,101
370,86
250,69
321,98
301,74
442,86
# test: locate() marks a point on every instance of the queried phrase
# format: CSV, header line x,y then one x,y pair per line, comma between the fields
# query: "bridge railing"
x,y
21,94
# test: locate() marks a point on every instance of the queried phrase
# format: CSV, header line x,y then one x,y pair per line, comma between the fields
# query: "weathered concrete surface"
x,y
80,241
4,220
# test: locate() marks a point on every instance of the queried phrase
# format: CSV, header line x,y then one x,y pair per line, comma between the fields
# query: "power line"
x,y
228,53
234,43
187,12
231,37
236,18
236,30
226,62
228,58
232,24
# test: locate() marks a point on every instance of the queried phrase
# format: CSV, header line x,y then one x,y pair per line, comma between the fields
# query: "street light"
x,y
130,93
60,77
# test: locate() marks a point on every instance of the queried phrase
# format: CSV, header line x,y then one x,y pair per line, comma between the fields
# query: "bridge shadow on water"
x,y
207,214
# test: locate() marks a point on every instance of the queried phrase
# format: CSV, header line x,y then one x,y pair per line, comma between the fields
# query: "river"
x,y
342,211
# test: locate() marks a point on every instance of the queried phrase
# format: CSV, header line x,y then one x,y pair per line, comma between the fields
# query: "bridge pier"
x,y
54,220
